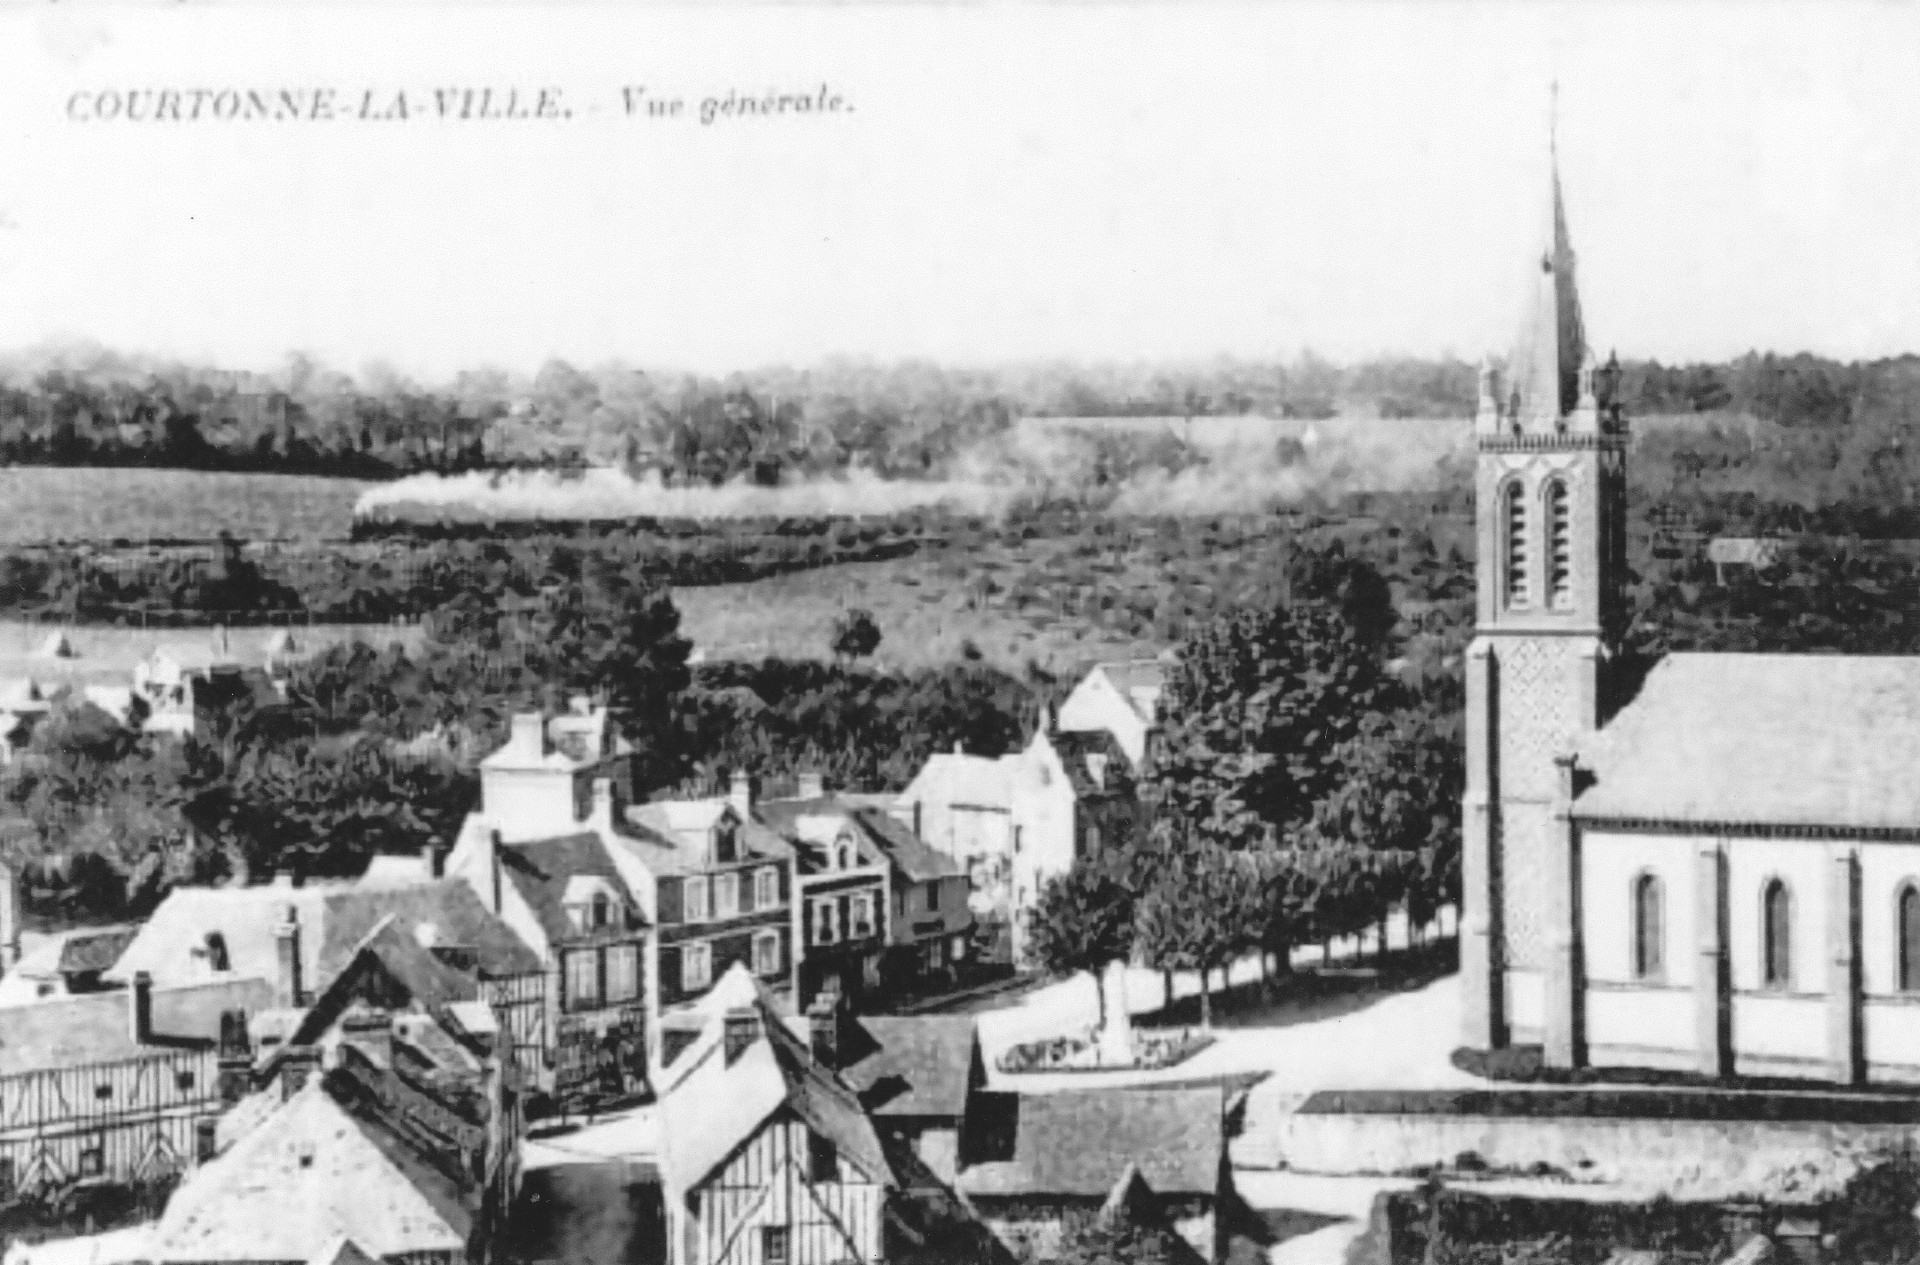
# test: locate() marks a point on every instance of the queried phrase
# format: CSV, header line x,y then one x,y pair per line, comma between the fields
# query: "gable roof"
x,y
1138,681
912,1065
333,920
812,825
716,1106
910,854
399,958
671,835
1763,739
1080,1142
310,1173
542,870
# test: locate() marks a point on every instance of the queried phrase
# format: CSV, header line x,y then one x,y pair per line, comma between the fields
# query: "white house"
x,y
1122,699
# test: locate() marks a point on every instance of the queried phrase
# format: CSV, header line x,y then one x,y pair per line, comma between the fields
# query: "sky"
x,y
1003,182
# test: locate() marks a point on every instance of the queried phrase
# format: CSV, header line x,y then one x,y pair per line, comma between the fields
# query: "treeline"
x,y
907,419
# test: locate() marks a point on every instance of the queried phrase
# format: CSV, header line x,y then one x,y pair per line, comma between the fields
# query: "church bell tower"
x,y
1550,497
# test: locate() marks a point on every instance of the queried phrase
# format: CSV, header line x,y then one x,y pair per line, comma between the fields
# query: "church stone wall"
x,y
1638,1021
1892,1017
1536,699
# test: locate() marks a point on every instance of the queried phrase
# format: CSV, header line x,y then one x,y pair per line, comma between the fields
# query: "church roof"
x,y
1764,739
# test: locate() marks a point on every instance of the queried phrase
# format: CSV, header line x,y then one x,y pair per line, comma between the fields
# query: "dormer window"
x,y
726,841
216,949
845,856
600,912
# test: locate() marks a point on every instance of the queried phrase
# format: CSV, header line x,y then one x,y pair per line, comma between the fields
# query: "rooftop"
x,y
912,1065
1080,1142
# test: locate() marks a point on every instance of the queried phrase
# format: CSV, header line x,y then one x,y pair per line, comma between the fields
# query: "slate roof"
x,y
333,919
910,854
97,1027
671,836
811,826
912,1065
310,1173
428,981
713,1106
75,951
1079,1143
1764,739
542,869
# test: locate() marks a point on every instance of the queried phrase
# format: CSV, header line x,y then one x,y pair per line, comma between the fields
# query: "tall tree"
x,y
1204,909
1083,921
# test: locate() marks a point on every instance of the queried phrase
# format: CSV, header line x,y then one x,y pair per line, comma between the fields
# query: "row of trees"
x,y
1303,793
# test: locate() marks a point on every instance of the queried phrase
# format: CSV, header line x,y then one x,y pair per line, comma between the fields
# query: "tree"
x,y
1082,922
1204,909
855,634
1259,704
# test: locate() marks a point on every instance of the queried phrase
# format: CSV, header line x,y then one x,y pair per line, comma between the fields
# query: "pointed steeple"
x,y
1545,369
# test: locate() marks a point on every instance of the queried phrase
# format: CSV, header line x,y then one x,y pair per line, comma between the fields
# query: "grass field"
x,y
51,503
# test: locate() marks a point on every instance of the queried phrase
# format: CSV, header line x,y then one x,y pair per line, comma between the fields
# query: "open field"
x,y
53,503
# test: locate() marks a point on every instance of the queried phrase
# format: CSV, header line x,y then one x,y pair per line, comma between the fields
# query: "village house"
x,y
961,806
1036,1165
916,1075
768,1155
930,929
727,894
844,877
395,1142
23,705
295,939
178,684
1121,699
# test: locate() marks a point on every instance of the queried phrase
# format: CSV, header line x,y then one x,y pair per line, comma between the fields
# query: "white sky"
x,y
1093,181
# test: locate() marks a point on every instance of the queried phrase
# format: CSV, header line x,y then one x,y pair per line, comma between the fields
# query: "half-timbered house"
x,y
769,1157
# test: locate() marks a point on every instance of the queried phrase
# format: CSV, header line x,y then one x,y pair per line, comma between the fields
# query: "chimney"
x,y
823,1029
959,747
286,943
743,1027
297,1064
580,704
140,1008
206,1139
916,818
432,861
369,1030
528,736
812,786
283,878
600,817
236,1060
493,866
10,918
740,793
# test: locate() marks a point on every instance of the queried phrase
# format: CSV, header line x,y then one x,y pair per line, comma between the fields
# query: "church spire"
x,y
1545,372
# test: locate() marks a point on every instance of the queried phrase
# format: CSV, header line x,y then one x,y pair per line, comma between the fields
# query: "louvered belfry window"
x,y
1516,546
1560,546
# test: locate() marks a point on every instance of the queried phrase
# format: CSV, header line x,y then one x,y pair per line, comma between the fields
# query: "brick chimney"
x,y
743,1028
140,1008
236,1060
286,945
740,793
812,786
823,1029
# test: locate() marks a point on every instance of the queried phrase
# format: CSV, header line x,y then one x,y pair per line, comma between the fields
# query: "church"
x,y
1712,864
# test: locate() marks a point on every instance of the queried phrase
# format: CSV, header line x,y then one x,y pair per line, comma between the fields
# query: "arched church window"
x,y
1559,546
1516,521
1649,927
1776,966
1908,912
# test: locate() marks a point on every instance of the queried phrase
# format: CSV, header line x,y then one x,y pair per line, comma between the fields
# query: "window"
x,y
933,896
623,972
862,915
93,1157
1516,522
766,953
217,951
726,842
822,1158
773,1245
696,966
602,911
1092,840
583,980
726,895
826,923
1649,960
1776,967
1559,546
843,851
183,1080
696,899
766,888
1909,947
